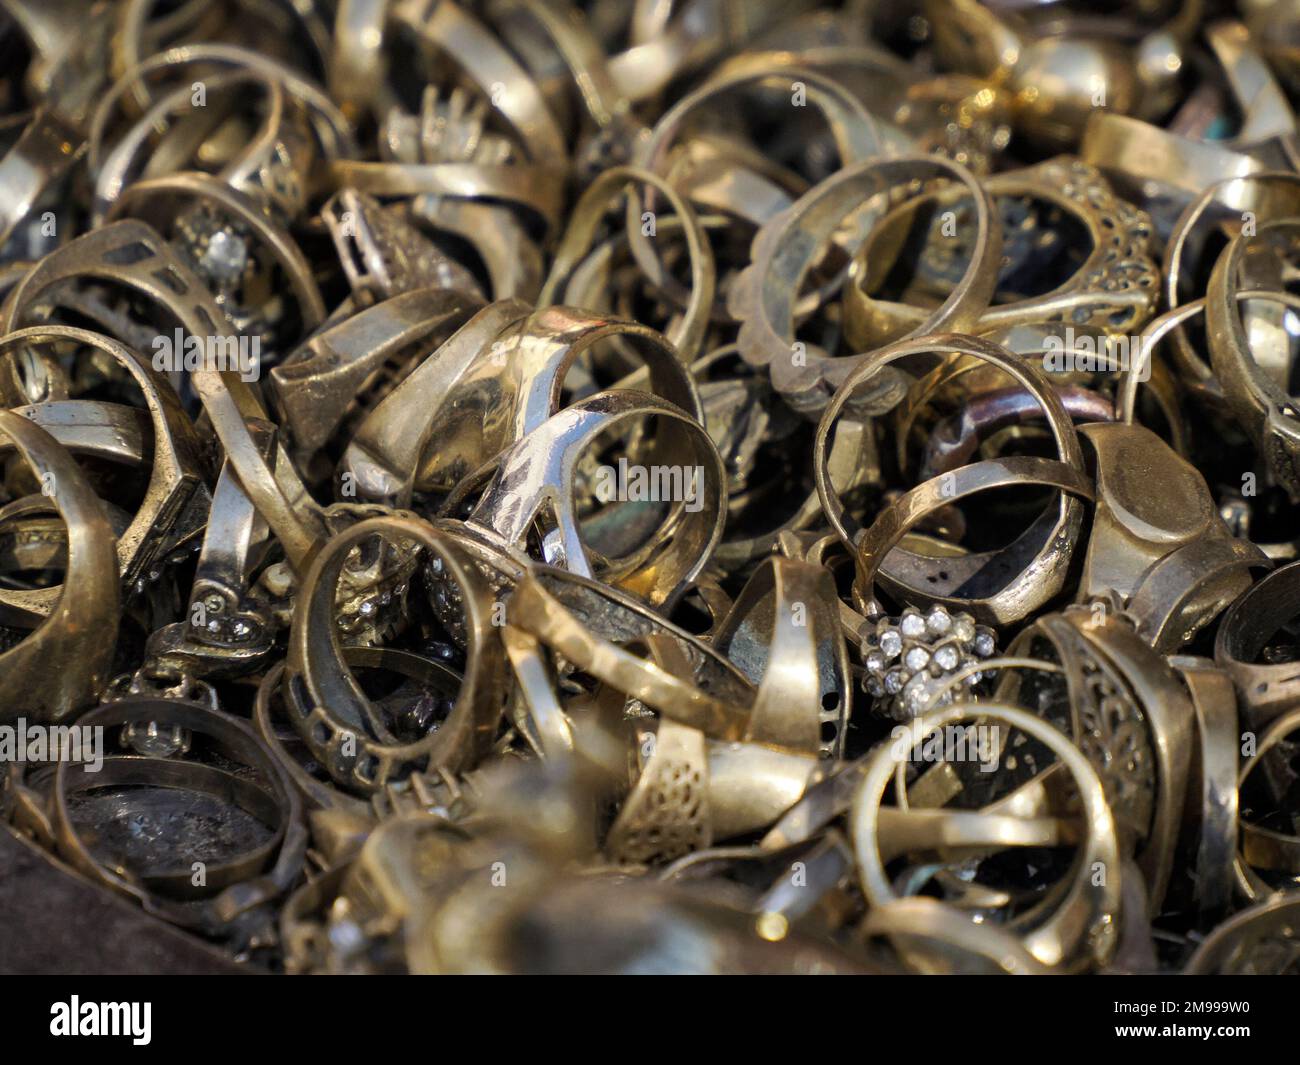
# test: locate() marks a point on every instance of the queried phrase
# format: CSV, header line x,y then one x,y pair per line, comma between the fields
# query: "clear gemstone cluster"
x,y
909,658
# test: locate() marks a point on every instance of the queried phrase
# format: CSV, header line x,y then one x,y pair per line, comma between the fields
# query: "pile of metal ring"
x,y
630,486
